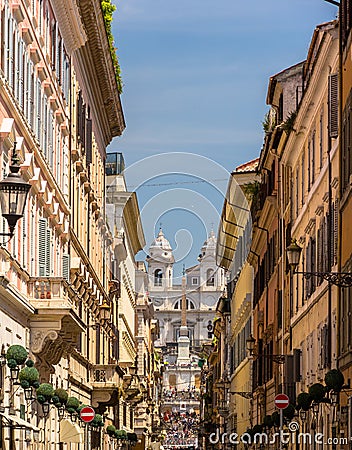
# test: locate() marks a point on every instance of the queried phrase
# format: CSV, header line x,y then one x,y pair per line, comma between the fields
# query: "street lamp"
x,y
28,394
61,412
303,414
46,408
14,371
315,407
13,194
341,279
250,345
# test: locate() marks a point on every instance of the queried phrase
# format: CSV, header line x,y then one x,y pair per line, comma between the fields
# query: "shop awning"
x,y
17,422
70,432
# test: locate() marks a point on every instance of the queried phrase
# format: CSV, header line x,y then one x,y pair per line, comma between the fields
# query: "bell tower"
x,y
160,263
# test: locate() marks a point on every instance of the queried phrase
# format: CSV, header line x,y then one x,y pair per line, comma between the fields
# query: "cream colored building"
x,y
312,155
232,255
60,105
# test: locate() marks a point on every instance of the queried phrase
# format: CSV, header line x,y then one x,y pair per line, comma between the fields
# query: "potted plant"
x,y
111,430
98,421
60,397
28,376
317,391
304,401
289,412
72,405
45,392
334,380
17,353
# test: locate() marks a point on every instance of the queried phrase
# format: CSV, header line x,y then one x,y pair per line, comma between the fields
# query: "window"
x,y
346,320
194,281
303,180
321,137
333,106
53,43
210,329
189,304
158,277
210,277
345,20
66,266
347,143
311,161
44,248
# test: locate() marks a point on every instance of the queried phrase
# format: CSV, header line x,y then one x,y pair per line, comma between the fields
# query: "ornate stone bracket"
x,y
102,398
51,340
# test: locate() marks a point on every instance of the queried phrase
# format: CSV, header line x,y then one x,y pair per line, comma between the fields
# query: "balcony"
x,y
105,383
55,326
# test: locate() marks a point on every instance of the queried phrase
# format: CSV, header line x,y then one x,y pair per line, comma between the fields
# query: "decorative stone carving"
x,y
39,337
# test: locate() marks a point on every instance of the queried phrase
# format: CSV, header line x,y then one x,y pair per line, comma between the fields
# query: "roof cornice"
x,y
99,66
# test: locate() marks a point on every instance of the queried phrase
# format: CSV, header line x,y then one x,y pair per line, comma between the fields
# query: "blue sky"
x,y
195,74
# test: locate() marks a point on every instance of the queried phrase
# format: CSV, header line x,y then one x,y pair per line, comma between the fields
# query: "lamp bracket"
x,y
279,359
247,395
341,279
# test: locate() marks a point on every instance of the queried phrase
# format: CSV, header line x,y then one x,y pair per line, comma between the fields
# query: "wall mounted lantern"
x,y
341,279
105,311
250,346
13,195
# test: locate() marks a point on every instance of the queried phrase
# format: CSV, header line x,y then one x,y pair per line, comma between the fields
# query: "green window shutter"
x,y
66,266
42,247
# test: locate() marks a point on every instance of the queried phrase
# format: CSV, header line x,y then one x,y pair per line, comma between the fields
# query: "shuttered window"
x,y
303,179
53,44
38,109
89,141
321,137
44,248
346,166
66,266
50,137
333,106
24,240
345,20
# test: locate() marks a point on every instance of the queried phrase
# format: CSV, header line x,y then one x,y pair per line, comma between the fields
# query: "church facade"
x,y
205,283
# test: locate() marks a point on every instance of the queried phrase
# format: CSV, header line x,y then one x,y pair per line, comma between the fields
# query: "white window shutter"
x,y
66,266
42,247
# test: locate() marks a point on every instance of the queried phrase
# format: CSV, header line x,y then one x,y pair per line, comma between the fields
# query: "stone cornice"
x,y
70,22
99,69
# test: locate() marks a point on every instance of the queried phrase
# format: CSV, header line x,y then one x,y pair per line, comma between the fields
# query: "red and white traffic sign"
x,y
282,401
87,414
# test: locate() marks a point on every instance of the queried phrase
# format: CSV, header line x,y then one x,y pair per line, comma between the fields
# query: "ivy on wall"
x,y
108,10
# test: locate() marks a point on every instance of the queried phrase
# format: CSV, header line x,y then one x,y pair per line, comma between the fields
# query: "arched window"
x,y
210,277
189,304
158,277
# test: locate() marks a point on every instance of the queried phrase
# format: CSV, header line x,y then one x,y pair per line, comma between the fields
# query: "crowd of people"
x,y
182,430
190,393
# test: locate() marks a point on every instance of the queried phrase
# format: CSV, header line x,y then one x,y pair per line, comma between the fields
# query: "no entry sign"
x,y
282,401
87,414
